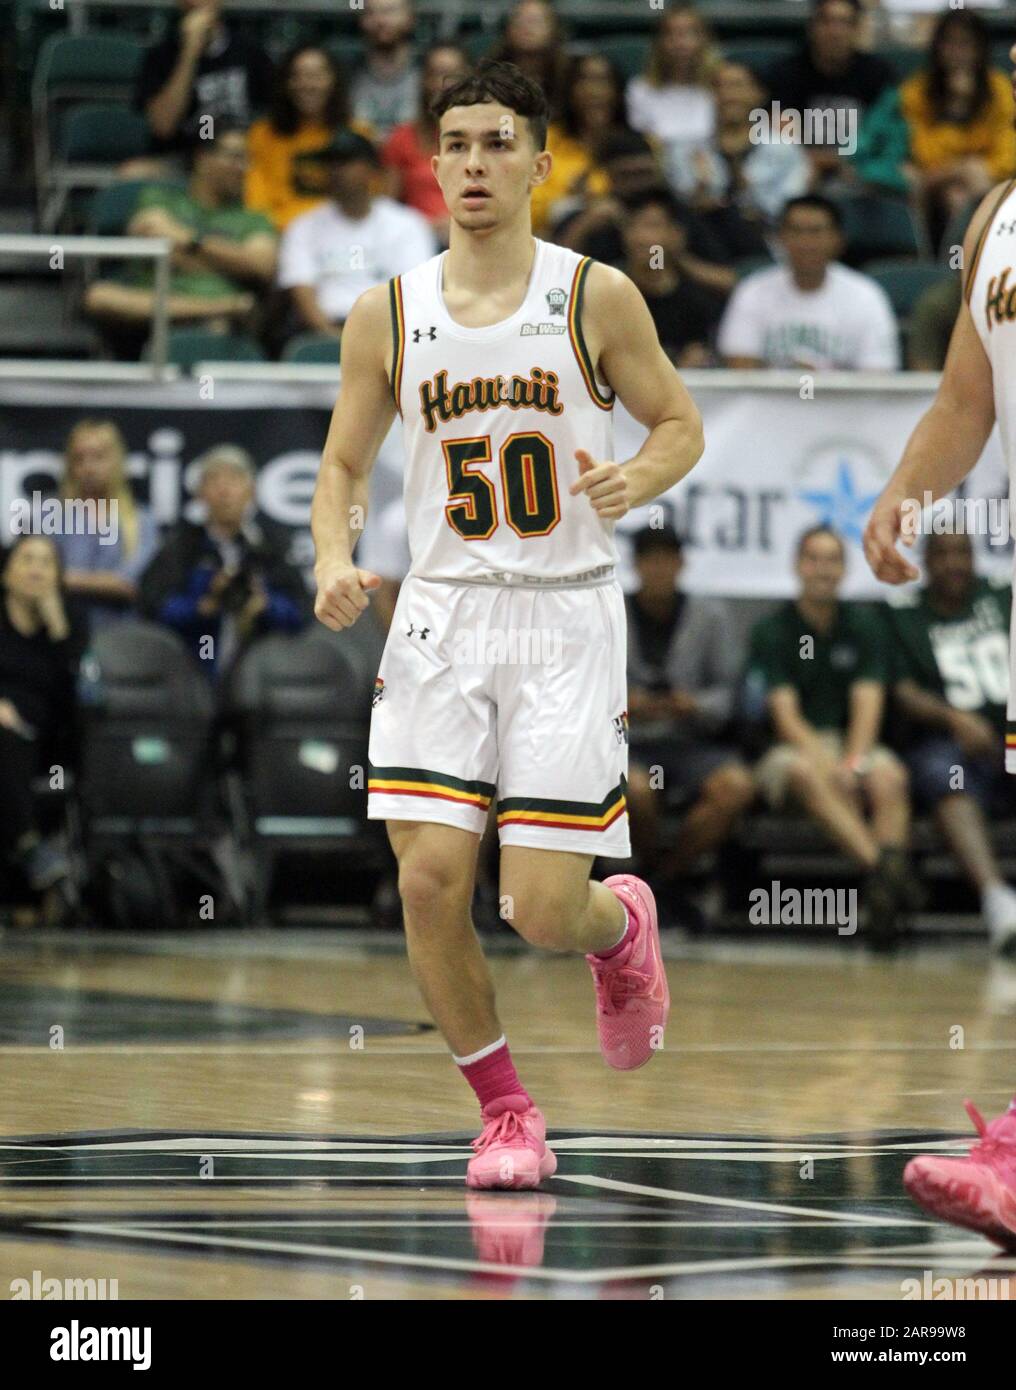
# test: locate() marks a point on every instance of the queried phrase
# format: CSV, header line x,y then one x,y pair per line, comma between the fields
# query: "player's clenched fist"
x,y
342,595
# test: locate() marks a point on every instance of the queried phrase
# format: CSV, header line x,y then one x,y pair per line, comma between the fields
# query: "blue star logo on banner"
x,y
841,506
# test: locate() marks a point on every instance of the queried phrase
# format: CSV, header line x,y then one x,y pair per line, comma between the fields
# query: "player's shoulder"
x,y
984,215
609,292
369,320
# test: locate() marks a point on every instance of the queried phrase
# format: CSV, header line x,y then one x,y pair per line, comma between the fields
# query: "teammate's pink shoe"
x,y
512,1148
978,1191
632,996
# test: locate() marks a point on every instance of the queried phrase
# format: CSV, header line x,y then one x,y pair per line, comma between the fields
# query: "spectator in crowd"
x,y
595,227
683,670
225,581
102,570
818,669
205,69
736,184
593,106
673,100
309,104
950,641
947,132
386,91
534,41
811,313
931,325
408,151
223,253
357,239
831,74
42,637
686,314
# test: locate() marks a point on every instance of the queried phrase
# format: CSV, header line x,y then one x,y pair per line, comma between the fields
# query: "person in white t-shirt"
x,y
334,253
811,313
672,100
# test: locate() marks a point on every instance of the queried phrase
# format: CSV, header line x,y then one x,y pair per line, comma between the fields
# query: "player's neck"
x,y
475,261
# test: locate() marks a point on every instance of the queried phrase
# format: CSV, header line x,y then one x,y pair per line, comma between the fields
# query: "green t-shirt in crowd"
x,y
963,657
236,223
823,668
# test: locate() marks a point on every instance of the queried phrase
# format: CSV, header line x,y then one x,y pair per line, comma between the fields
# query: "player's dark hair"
x,y
652,538
816,202
505,85
822,529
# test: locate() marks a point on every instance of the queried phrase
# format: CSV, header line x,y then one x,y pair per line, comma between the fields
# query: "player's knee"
x,y
429,886
545,920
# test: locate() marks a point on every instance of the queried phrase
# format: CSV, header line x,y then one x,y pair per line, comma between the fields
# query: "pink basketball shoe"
x,y
511,1150
978,1191
632,996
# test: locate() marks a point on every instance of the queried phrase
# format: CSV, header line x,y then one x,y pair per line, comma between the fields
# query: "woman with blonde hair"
x,y
672,101
103,558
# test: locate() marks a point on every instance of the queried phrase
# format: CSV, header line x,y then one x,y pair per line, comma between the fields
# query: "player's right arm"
x,y
950,437
361,419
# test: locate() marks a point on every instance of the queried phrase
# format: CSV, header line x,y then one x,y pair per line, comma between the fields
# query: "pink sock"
x,y
629,932
491,1073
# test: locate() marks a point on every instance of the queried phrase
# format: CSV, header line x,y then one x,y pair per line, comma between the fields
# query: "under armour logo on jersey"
x,y
421,632
419,332
1007,227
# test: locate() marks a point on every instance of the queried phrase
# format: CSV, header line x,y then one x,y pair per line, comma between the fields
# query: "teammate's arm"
x,y
949,439
362,418
622,338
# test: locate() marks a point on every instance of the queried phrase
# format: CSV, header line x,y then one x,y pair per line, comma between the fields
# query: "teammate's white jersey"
x,y
492,418
991,296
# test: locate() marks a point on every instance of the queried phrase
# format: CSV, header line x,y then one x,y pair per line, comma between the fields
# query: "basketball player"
x,y
504,671
978,386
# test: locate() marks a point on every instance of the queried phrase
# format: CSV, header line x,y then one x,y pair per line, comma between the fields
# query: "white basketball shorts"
x,y
505,691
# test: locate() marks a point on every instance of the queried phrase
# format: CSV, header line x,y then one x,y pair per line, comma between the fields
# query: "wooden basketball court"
x,y
270,1115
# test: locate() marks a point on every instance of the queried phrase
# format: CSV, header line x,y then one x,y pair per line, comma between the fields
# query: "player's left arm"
x,y
623,342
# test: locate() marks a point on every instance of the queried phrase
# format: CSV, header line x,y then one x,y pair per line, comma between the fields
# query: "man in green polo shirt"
x,y
819,667
950,643
223,255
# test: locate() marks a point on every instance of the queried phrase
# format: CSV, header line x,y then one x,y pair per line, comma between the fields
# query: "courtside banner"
x,y
783,452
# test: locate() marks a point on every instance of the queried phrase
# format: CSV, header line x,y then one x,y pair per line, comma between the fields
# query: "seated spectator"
x,y
593,105
226,581
950,640
595,227
309,104
818,668
830,73
738,186
931,325
534,41
686,314
223,253
205,72
102,571
683,670
408,151
947,132
42,638
357,239
812,313
673,100
386,90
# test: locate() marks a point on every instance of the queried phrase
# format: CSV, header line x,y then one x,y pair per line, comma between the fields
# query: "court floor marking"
x,y
453,1264
330,1045
636,1189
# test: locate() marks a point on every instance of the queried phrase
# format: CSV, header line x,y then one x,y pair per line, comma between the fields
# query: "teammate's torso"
x,y
991,295
492,418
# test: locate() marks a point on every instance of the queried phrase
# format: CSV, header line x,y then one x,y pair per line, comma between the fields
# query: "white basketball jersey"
x,y
991,295
492,418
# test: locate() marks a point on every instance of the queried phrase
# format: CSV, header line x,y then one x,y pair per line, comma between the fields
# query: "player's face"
x,y
820,568
486,164
950,564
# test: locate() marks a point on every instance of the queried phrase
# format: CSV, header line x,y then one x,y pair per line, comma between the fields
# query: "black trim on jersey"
x,y
579,339
398,340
